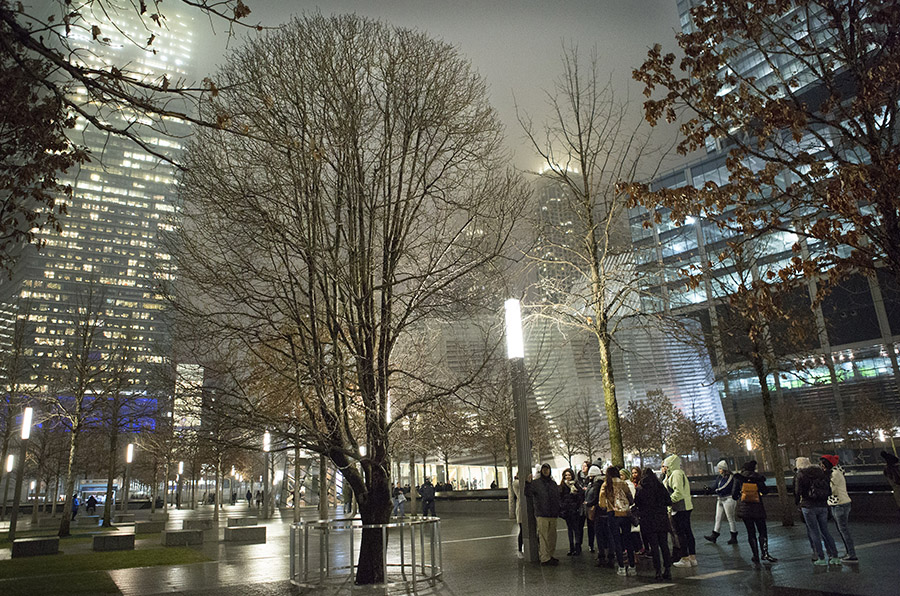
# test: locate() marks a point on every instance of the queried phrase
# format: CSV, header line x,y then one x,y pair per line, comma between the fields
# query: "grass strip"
x,y
95,561
91,582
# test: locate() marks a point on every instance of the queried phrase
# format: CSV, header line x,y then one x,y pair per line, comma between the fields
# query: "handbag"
x,y
592,512
676,542
678,506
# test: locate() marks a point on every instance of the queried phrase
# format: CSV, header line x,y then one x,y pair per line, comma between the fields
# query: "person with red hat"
x,y
839,502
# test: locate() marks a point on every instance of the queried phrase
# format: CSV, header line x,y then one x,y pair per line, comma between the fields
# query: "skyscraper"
x,y
105,263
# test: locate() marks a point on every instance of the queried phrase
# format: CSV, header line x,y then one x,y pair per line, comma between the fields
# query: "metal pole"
x,y
20,473
523,456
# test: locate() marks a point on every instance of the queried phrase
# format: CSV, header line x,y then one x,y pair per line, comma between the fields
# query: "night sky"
x,y
516,46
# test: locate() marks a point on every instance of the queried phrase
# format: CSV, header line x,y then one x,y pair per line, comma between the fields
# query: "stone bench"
x,y
234,522
198,524
159,516
48,522
182,537
32,547
88,520
253,534
149,527
123,518
104,542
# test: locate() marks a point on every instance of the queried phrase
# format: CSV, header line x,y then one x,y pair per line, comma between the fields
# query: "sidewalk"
x,y
479,557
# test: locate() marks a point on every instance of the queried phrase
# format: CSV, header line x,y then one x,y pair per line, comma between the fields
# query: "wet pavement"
x,y
479,558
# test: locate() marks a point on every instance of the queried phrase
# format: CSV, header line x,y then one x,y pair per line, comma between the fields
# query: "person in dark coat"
x,y
585,480
426,491
571,502
249,499
812,487
892,473
651,500
545,492
750,509
91,505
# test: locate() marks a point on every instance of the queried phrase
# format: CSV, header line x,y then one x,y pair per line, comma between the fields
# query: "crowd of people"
x,y
637,514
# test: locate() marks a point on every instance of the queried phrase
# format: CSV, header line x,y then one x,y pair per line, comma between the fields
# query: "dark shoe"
x,y
658,575
592,549
733,539
570,553
667,573
712,537
551,563
764,549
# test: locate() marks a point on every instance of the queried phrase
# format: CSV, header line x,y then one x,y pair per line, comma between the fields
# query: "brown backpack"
x,y
749,492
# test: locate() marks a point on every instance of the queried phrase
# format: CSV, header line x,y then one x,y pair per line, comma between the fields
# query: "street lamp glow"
x,y
180,467
26,423
10,463
129,453
749,445
33,484
881,436
267,441
362,450
515,344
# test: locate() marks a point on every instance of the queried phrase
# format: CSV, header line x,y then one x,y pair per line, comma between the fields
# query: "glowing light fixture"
x,y
515,343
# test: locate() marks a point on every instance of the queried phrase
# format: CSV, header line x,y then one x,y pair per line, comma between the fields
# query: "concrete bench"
x,y
32,547
104,542
159,516
254,534
48,522
123,518
182,537
149,527
198,524
234,522
88,520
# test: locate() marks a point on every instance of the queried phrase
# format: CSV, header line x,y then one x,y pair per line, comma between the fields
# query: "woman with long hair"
x,y
571,501
618,500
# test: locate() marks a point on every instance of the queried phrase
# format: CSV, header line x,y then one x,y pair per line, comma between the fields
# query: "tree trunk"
x,y
217,485
413,495
110,477
609,396
374,508
65,522
510,489
297,486
784,501
323,487
154,486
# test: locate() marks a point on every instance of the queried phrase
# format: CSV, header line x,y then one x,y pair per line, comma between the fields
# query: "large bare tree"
x,y
369,195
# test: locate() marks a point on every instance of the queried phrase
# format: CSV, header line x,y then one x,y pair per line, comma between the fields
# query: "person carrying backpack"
x,y
747,489
812,487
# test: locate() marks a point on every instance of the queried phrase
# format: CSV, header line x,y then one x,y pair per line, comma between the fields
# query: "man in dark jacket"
x,y
811,491
427,493
545,492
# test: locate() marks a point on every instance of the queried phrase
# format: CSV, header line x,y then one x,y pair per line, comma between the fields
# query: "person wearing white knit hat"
x,y
725,505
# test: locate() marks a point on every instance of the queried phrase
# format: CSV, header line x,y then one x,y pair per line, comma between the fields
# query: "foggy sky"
x,y
515,45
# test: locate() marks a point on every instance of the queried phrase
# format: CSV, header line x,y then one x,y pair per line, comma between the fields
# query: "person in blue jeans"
x,y
839,503
811,491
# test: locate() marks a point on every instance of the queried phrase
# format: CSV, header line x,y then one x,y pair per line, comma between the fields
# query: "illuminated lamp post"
x,y
515,352
267,446
129,457
27,415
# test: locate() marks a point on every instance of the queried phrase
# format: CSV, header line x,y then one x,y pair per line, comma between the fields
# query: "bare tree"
x,y
369,196
588,278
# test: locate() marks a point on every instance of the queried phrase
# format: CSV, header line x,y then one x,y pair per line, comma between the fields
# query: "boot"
x,y
764,547
712,537
755,549
733,539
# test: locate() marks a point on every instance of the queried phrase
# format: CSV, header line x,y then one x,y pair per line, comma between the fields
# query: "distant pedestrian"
x,y
259,499
585,482
811,491
545,493
233,497
426,491
839,504
892,472
399,499
725,505
677,483
571,501
74,506
652,501
617,497
249,498
748,488
598,517
91,505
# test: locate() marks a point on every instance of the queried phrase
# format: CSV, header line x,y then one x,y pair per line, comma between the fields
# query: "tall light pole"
x,y
267,445
27,415
129,457
178,486
515,351
10,466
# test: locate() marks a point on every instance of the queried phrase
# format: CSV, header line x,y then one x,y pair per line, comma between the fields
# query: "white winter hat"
x,y
803,462
593,471
722,465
